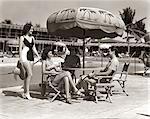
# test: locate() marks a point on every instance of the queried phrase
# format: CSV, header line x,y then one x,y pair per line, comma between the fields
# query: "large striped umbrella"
x,y
84,22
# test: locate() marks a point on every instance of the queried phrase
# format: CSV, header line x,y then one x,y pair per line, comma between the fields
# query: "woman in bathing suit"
x,y
26,53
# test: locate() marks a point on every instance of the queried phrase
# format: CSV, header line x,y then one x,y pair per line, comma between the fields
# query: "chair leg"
x,y
58,94
43,89
108,91
145,70
123,88
74,77
122,84
95,94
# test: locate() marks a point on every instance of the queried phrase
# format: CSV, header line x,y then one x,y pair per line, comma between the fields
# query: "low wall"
x,y
8,60
135,66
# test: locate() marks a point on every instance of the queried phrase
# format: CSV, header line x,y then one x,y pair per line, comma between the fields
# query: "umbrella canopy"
x,y
85,22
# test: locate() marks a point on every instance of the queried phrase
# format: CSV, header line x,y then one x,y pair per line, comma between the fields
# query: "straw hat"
x,y
16,71
20,71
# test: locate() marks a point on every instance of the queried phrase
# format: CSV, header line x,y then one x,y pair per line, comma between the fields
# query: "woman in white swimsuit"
x,y
26,53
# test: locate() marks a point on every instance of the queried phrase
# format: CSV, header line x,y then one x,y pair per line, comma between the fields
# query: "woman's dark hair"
x,y
53,49
26,28
45,52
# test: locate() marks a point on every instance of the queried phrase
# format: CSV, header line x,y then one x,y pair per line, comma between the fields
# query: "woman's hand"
x,y
91,74
58,69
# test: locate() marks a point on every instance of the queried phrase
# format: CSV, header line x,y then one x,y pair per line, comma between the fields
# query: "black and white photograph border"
x,y
91,28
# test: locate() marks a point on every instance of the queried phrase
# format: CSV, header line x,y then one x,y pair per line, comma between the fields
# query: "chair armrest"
x,y
99,78
45,73
104,76
105,85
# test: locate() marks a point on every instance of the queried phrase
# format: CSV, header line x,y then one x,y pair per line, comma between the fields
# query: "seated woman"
x,y
52,65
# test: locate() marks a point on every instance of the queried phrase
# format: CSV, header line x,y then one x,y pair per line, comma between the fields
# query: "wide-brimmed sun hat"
x,y
20,71
65,50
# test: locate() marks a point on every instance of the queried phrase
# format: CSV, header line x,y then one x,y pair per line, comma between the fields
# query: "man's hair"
x,y
116,51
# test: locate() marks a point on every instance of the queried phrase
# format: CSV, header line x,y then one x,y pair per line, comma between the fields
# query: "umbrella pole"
x,y
84,50
84,53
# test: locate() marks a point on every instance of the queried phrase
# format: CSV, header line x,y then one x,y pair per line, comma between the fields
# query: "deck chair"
x,y
145,57
146,66
121,77
98,84
106,86
47,86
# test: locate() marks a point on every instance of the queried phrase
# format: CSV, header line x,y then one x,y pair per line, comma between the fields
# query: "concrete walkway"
x,y
134,106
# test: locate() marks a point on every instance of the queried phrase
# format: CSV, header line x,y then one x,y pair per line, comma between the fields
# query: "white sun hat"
x,y
65,49
104,46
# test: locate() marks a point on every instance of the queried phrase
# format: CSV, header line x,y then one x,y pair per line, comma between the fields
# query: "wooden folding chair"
x,y
47,86
121,77
94,83
106,86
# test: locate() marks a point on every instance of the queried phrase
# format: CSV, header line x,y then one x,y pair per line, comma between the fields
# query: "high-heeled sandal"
x,y
25,96
69,101
79,93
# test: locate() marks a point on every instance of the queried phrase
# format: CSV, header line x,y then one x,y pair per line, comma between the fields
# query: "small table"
x,y
81,69
73,69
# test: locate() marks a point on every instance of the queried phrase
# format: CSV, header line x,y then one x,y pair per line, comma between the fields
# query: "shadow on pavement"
x,y
147,115
11,93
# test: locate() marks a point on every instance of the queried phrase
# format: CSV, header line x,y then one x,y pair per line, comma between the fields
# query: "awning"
x,y
112,44
13,45
130,44
44,42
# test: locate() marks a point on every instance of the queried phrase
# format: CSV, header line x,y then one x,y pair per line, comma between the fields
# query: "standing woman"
x,y
26,53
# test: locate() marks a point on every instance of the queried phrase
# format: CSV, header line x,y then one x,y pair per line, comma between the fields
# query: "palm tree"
x,y
37,25
137,29
7,21
127,16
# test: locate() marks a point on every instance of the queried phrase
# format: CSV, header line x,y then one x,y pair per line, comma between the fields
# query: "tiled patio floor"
x,y
134,106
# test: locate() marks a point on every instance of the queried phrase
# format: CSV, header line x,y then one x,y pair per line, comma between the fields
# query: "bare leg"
x,y
28,67
65,74
67,89
73,85
71,81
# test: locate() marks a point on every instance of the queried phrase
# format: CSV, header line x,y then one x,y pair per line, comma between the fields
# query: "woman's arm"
x,y
20,45
44,67
47,69
34,49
